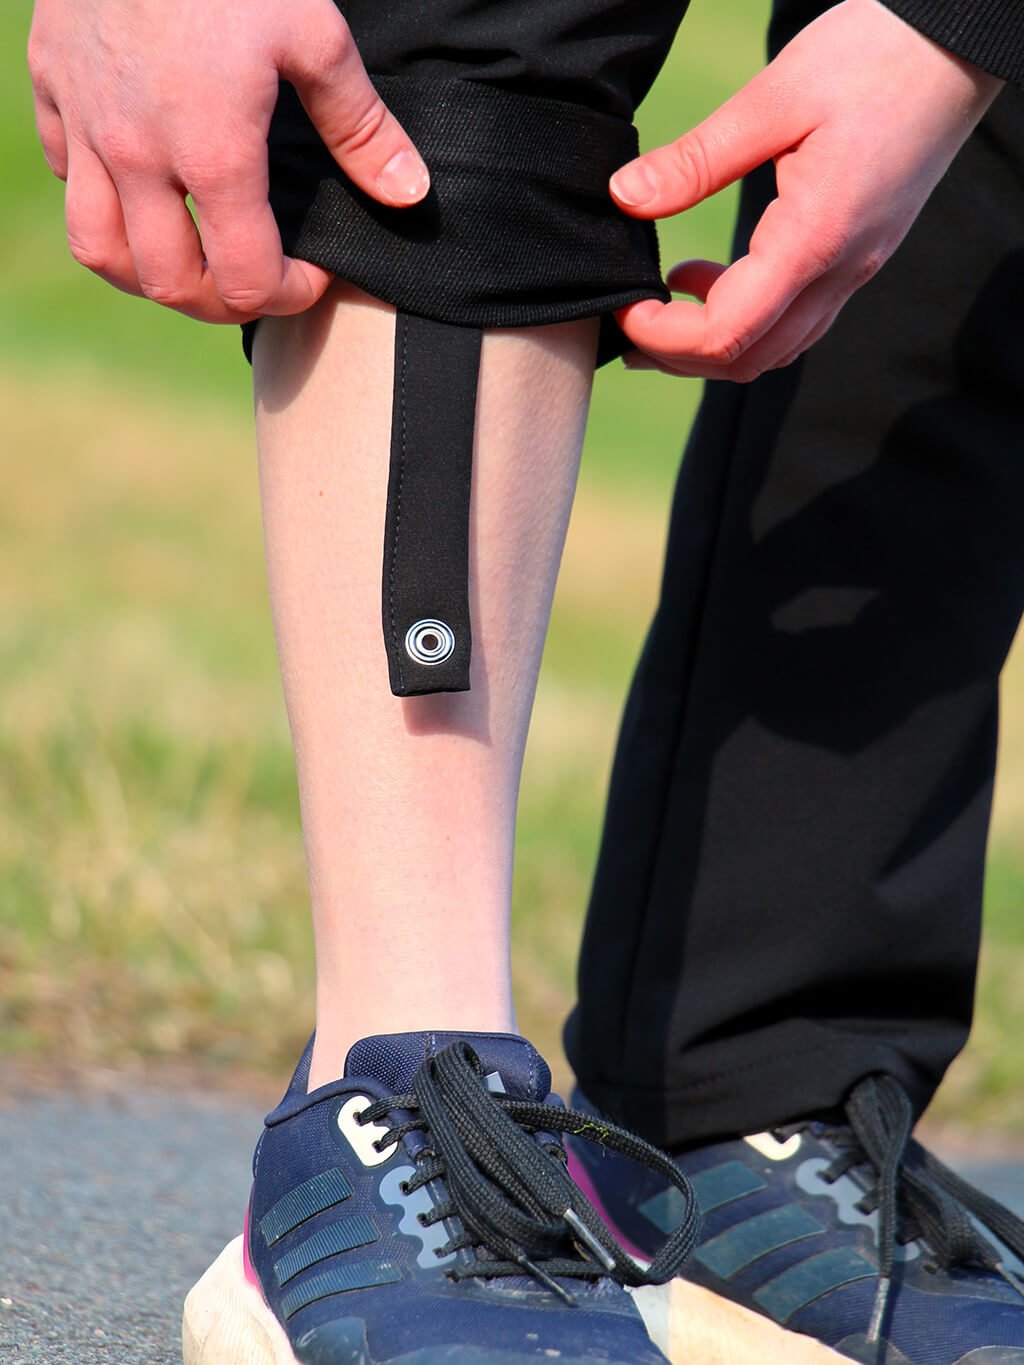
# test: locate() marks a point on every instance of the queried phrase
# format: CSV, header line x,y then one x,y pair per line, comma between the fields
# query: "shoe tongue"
x,y
511,1065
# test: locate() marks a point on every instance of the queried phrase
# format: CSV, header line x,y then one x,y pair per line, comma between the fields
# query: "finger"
x,y
361,134
800,324
786,255
694,277
637,360
50,127
95,222
811,339
168,253
243,250
809,319
757,123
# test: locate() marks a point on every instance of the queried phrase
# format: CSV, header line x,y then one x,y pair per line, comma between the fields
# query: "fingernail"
x,y
635,184
405,179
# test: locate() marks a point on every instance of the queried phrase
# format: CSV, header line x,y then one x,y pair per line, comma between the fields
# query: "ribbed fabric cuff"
x,y
518,230
988,33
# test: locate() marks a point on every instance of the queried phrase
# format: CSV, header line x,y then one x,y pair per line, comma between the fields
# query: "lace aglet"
x,y
1011,1279
548,1281
878,1312
583,1234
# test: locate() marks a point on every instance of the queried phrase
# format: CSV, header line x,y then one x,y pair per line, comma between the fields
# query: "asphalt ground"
x,y
114,1199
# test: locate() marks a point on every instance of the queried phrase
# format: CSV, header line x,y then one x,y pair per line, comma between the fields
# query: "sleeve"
x,y
987,33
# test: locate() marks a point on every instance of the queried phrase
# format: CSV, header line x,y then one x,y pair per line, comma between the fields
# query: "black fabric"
x,y
518,229
988,33
598,54
522,112
788,893
425,590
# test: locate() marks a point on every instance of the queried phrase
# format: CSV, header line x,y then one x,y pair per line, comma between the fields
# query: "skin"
x,y
409,804
140,102
861,116
860,113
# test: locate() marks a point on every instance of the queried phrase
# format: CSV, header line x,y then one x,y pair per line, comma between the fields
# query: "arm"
x,y
861,115
140,103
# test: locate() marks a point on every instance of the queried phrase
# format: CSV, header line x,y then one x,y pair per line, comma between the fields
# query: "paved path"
x,y
112,1205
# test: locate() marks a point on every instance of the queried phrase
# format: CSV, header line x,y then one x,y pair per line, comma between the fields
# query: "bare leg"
x,y
408,805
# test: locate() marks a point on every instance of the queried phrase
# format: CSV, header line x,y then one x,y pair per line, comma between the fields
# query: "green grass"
x,y
152,890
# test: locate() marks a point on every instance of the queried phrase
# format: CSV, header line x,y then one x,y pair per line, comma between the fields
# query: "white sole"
x,y
692,1326
226,1322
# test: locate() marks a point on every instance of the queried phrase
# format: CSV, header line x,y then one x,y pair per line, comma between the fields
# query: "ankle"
x,y
335,1037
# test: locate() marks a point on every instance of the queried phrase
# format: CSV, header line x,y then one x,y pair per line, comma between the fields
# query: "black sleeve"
x,y
987,33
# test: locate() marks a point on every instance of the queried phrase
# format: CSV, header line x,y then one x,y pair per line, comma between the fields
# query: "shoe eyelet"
x,y
403,1187
421,1218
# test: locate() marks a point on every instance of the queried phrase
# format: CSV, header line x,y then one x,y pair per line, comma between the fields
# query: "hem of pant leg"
x,y
799,1083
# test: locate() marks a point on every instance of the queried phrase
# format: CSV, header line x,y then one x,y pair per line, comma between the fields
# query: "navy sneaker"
x,y
823,1241
419,1212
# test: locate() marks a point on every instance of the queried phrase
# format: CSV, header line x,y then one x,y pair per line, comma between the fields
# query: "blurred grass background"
x,y
152,896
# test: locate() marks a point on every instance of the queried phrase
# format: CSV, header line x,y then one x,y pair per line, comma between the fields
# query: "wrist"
x,y
986,37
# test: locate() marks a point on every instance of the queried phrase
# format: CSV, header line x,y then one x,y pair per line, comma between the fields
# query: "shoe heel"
x,y
226,1322
692,1326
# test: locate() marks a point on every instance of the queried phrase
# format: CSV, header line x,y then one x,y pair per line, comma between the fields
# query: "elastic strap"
x,y
425,596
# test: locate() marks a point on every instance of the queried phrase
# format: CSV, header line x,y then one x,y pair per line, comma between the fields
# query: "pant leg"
x,y
788,891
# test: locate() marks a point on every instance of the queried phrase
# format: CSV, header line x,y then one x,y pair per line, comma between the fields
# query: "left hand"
x,y
861,115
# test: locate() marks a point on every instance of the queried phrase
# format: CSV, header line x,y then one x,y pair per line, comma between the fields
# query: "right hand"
x,y
140,102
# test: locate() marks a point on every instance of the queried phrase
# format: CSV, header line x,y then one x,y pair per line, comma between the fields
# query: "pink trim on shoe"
x,y
583,1180
250,1273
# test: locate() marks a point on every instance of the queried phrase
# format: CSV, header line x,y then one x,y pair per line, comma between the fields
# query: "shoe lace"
x,y
510,1197
916,1195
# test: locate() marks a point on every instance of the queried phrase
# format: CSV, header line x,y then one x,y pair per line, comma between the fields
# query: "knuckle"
x,y
38,58
217,170
88,253
869,266
333,49
364,128
250,299
119,148
724,349
169,294
691,161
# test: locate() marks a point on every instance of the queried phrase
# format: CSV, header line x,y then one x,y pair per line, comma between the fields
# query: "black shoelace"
x,y
916,1195
510,1197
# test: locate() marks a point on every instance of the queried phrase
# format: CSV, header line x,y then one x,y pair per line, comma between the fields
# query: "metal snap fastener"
x,y
429,642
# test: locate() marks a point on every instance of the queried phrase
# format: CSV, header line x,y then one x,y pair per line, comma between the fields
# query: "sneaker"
x,y
823,1241
418,1211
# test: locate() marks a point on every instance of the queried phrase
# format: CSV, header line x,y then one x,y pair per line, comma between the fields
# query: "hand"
x,y
861,115
140,102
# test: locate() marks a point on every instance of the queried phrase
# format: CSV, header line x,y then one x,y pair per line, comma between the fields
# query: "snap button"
x,y
429,642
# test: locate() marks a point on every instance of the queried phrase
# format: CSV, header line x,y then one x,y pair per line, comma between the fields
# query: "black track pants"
x,y
788,894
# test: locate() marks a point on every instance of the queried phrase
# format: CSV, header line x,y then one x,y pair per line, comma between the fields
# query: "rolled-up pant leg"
x,y
788,892
522,112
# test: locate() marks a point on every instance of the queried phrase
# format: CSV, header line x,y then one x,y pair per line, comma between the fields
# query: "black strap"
x,y
425,594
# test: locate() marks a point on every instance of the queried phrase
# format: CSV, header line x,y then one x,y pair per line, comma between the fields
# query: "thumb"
x,y
363,136
758,123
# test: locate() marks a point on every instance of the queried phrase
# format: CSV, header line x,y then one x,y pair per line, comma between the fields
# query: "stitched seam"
x,y
398,498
